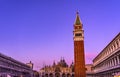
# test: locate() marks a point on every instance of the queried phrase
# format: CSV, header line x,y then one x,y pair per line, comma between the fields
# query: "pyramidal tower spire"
x,y
78,21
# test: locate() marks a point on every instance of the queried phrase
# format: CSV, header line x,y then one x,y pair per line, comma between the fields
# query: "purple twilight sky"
x,y
41,30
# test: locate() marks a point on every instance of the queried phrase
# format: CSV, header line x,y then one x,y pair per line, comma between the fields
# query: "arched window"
x,y
114,46
117,44
51,75
46,75
63,75
68,75
57,74
111,48
108,50
72,75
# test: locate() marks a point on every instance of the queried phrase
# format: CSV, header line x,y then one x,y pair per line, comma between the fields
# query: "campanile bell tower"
x,y
79,57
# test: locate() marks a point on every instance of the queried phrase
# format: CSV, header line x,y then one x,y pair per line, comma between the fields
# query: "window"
x,y
78,34
114,46
117,44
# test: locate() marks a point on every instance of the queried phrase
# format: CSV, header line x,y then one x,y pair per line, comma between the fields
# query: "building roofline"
x,y
107,45
10,58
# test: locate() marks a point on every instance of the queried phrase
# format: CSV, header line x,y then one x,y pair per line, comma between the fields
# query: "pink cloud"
x,y
89,56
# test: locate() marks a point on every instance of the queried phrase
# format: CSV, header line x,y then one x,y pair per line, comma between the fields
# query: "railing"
x,y
9,64
16,69
108,68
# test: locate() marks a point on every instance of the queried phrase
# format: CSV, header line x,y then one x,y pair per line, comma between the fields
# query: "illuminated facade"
x,y
62,69
107,62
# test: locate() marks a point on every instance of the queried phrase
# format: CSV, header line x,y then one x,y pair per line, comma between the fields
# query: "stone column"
x,y
108,64
119,42
118,59
115,60
112,62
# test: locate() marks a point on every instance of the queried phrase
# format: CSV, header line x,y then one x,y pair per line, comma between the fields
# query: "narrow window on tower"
x,y
78,34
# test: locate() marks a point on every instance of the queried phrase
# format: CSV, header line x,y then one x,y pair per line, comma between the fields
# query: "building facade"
x,y
107,62
62,69
10,67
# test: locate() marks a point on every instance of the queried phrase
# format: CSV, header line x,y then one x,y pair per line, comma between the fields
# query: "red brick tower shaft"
x,y
79,57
